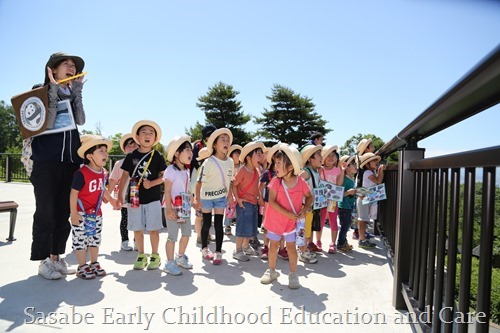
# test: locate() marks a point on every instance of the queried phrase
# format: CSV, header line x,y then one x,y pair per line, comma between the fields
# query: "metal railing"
x,y
428,220
12,169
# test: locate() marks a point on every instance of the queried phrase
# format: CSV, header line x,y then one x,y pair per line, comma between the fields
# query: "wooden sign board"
x,y
31,110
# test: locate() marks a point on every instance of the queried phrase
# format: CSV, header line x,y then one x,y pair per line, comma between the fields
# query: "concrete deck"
x,y
345,292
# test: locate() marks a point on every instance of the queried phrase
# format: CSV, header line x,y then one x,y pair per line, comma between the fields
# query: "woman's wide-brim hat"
x,y
327,150
233,148
89,141
249,147
215,135
151,123
58,56
309,151
204,153
174,144
124,139
362,145
367,158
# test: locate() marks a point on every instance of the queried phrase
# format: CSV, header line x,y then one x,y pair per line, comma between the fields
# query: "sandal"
x,y
97,269
85,272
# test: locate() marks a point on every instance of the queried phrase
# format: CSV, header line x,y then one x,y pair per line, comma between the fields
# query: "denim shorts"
x,y
246,220
289,238
209,204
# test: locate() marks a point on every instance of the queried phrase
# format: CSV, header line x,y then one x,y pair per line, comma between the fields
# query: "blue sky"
x,y
369,66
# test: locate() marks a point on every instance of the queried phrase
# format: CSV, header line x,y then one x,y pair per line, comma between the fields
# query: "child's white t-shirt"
x,y
366,181
179,180
215,176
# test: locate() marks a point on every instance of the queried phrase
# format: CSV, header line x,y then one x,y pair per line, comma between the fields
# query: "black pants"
x,y
51,227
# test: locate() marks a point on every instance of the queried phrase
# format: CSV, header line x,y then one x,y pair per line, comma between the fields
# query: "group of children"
x,y
257,186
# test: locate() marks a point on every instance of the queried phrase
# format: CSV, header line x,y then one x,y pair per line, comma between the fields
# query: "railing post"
x,y
404,218
7,169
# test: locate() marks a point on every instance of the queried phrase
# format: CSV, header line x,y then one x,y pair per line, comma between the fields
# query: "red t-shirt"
x,y
248,184
90,185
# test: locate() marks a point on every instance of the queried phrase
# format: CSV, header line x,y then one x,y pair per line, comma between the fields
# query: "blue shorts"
x,y
246,220
289,238
209,204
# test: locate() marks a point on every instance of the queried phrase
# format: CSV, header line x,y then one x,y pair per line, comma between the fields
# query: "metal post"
x,y
404,207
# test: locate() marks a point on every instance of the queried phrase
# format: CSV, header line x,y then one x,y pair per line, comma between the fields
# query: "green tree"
x,y
291,118
351,146
10,136
223,110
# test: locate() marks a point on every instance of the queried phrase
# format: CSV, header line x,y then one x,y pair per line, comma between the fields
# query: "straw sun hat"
x,y
89,141
125,139
217,133
309,151
174,144
249,147
151,123
203,154
362,145
367,158
291,152
327,150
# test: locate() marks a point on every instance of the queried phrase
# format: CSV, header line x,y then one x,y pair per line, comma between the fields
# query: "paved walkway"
x,y
344,292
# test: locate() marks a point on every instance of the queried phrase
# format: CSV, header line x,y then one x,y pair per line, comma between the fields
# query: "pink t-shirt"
x,y
274,221
330,175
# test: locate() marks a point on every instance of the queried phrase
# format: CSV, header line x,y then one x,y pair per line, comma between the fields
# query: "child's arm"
x,y
152,183
277,207
234,187
171,214
121,187
307,204
197,200
304,174
111,200
73,204
378,179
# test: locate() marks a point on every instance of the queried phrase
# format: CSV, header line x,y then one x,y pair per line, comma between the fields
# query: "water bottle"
x,y
300,230
134,193
177,205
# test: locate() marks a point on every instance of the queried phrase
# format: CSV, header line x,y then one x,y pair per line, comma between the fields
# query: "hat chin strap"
x,y
286,174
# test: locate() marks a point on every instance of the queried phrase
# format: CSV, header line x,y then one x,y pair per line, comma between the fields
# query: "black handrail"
x,y
476,91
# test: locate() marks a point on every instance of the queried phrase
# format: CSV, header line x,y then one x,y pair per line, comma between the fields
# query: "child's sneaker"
x,y
265,253
269,276
307,258
255,243
141,262
250,251
97,269
293,281
62,267
183,261
227,231
355,234
48,271
217,258
240,255
172,268
313,248
332,248
154,262
85,272
366,244
345,248
207,254
126,246
283,254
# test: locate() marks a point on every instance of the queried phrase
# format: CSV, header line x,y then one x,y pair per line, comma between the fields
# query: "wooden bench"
x,y
11,207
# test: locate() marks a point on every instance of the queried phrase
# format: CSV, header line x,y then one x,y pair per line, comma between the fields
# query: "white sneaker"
x,y
250,251
126,247
47,270
269,276
62,267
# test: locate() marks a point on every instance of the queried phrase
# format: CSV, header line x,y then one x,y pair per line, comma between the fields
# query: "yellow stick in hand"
x,y
72,77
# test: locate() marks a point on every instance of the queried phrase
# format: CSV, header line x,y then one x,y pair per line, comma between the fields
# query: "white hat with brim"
x,y
327,150
294,156
203,154
249,147
362,145
367,158
217,133
309,151
273,150
233,148
174,144
347,159
124,139
151,123
90,141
